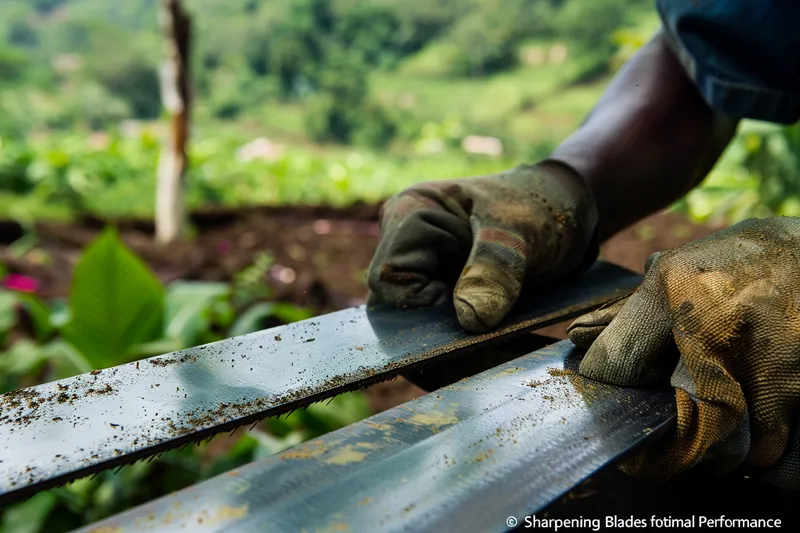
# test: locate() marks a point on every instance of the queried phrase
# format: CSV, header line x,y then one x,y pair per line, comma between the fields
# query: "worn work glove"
x,y
718,319
481,239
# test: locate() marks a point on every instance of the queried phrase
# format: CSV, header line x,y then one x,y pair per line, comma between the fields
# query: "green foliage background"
x,y
366,97
363,97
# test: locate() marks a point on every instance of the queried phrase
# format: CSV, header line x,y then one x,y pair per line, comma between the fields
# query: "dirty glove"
x,y
481,239
718,319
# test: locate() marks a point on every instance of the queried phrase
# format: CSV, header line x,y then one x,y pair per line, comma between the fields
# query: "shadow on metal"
x,y
60,431
507,442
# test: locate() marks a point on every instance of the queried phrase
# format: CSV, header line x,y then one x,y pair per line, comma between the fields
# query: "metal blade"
x,y
505,443
64,430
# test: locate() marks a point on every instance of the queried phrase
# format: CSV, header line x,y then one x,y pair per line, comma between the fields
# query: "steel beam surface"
x,y
504,443
60,431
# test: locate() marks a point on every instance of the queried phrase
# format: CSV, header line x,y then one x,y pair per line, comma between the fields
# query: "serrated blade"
x,y
61,431
504,443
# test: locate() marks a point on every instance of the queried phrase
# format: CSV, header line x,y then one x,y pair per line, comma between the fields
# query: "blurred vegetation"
x,y
758,176
358,98
352,91
302,101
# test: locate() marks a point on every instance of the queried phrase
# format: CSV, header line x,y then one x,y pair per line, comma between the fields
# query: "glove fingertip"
x,y
584,336
650,261
596,364
468,317
587,328
482,298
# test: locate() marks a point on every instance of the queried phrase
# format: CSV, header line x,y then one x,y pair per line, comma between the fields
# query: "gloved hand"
x,y
718,319
481,239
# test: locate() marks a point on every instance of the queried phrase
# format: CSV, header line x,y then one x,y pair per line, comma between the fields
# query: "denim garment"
x,y
743,55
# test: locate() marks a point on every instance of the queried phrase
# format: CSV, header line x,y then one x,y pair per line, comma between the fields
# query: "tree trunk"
x,y
176,97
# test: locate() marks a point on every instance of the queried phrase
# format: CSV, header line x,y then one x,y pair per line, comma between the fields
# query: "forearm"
x,y
649,140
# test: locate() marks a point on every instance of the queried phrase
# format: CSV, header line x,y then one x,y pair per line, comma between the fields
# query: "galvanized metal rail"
x,y
57,432
504,443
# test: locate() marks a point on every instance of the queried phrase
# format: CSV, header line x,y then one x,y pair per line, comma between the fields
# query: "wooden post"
x,y
176,98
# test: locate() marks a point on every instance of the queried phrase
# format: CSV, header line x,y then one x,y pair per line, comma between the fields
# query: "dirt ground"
x,y
321,256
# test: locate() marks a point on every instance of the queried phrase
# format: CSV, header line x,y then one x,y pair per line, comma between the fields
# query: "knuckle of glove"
x,y
421,238
585,329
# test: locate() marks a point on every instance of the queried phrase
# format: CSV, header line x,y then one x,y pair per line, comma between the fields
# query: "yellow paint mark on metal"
x,y
435,418
223,513
106,529
379,426
306,451
507,372
483,456
367,445
145,522
348,454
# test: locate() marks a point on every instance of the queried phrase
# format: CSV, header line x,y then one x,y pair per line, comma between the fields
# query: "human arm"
x,y
649,139
717,318
483,240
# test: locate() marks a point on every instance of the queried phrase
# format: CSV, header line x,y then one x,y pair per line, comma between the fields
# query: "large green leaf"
x,y
115,302
251,319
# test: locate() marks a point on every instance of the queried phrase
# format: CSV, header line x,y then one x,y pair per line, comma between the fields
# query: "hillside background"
x,y
346,100
307,115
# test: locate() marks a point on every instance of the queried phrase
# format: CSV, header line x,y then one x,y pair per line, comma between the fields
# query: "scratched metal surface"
x,y
64,430
506,442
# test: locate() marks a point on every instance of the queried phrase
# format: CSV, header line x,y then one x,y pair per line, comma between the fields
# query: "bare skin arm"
x,y
480,240
649,140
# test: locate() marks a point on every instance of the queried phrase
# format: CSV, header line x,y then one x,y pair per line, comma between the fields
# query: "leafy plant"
x,y
758,176
8,313
112,293
115,302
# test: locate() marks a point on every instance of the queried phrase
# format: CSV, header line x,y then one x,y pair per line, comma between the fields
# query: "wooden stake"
x,y
176,98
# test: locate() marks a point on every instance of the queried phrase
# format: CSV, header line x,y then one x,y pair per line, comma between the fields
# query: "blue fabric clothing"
x,y
743,55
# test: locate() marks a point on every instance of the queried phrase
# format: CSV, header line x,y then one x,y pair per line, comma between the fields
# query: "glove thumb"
x,y
586,328
492,277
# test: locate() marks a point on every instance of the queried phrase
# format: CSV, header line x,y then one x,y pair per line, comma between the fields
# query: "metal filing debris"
x,y
60,431
504,443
